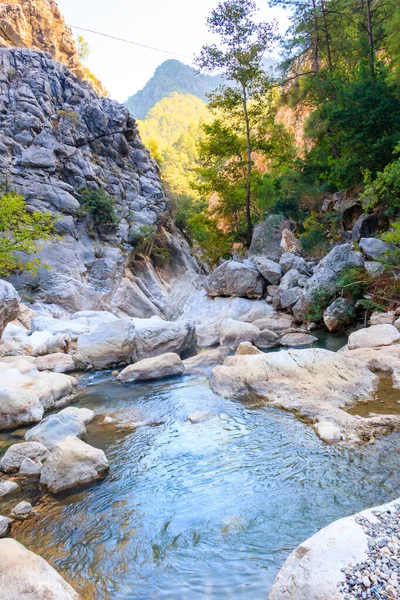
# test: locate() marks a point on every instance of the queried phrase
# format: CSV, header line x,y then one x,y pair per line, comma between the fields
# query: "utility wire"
x,y
112,37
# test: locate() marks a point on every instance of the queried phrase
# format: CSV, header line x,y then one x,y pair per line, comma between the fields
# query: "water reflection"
x,y
209,510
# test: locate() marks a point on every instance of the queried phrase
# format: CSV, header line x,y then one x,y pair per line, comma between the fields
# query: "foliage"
x,y
186,209
385,188
21,230
100,207
149,242
313,240
214,243
240,103
83,48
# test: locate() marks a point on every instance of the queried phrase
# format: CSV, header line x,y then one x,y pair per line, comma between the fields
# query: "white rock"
x,y
206,359
371,337
155,336
328,432
245,348
9,303
57,362
38,338
16,454
166,365
19,407
72,463
73,328
26,576
232,333
22,511
314,570
109,343
8,487
84,414
5,526
29,467
383,318
59,343
56,428
295,340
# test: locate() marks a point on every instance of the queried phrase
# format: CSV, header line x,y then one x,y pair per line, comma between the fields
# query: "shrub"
x,y
313,240
385,189
100,206
20,231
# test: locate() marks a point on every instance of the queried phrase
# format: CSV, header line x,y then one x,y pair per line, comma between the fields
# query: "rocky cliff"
x,y
39,25
57,136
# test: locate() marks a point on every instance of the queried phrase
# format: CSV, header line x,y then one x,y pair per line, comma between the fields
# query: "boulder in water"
x,y
166,365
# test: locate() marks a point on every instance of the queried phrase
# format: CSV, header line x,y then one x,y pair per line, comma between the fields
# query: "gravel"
x,y
378,577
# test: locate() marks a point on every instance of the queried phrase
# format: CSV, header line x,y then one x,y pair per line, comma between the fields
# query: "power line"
x,y
112,37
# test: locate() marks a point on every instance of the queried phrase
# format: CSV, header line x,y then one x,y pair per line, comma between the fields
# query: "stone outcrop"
x,y
109,343
25,575
57,137
9,304
39,25
234,278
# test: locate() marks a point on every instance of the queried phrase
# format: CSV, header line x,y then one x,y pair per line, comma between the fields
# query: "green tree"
x,y
83,48
20,232
242,100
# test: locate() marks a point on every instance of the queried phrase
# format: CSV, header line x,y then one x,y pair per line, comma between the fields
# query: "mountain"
x,y
171,76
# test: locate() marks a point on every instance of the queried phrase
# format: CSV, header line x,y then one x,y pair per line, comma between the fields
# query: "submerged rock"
x,y
199,417
166,365
26,576
23,510
72,463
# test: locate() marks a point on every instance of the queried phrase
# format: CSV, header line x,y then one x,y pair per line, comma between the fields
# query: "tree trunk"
x,y
370,36
249,231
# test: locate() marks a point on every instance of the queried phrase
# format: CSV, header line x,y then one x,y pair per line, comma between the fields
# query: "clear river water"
x,y
198,511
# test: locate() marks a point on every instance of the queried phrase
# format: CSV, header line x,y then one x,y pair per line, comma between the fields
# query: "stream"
x,y
194,511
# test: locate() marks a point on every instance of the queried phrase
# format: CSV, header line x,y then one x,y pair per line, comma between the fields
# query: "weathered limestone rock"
x,y
25,575
371,337
267,237
17,453
56,428
278,323
315,570
328,432
289,261
56,344
206,359
109,343
8,487
232,333
289,242
297,380
5,526
246,349
295,340
165,365
9,303
270,270
30,468
375,249
383,318
155,336
266,339
381,358
84,414
235,278
23,510
19,407
290,297
58,363
339,314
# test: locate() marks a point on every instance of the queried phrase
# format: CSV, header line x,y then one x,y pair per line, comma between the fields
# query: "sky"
x,y
174,25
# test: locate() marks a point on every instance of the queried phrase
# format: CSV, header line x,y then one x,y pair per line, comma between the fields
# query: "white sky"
x,y
174,25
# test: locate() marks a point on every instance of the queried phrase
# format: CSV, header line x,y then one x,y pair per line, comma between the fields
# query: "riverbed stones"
x,y
17,453
270,270
247,349
84,414
26,576
8,487
19,407
266,339
199,417
206,358
30,468
233,332
155,336
328,432
5,526
22,511
56,428
234,278
57,362
158,367
109,343
9,304
371,337
295,340
72,463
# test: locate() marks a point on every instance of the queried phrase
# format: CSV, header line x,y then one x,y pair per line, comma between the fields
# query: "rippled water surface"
x,y
209,510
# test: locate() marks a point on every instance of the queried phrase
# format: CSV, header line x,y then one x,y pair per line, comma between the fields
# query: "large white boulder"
x,y
19,407
297,380
316,569
235,278
56,428
372,337
207,358
109,343
60,342
72,328
165,365
26,576
72,463
17,453
9,303
232,333
155,336
57,362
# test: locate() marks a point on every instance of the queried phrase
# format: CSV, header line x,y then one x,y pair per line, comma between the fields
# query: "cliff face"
x,y
58,136
39,25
